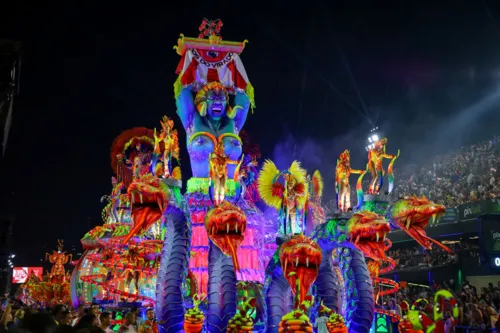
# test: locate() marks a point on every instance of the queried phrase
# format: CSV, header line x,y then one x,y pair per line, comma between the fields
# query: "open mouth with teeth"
x,y
300,259
412,215
148,201
217,109
226,225
368,232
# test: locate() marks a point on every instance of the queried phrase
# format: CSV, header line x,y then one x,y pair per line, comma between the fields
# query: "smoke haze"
x,y
438,114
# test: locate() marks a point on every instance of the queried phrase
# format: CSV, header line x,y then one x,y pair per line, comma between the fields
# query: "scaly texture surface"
x,y
173,271
221,290
357,288
278,294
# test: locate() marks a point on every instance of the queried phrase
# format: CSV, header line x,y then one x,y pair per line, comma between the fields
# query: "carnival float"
x,y
54,287
254,239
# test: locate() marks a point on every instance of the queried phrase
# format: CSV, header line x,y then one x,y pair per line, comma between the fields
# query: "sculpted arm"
x,y
185,107
389,155
241,107
49,257
358,172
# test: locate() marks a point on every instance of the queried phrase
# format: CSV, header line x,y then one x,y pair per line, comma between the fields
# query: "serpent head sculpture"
x,y
300,258
148,201
225,225
412,215
367,231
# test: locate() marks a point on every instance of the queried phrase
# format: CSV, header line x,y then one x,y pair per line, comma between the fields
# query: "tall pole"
x,y
10,59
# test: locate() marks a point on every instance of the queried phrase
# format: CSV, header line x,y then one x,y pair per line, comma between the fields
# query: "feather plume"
x,y
300,176
278,190
317,182
297,172
268,177
300,189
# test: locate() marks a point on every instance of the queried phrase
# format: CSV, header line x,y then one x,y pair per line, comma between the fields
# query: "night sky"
x,y
323,74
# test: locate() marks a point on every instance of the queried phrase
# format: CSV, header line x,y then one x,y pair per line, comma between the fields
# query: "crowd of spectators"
x,y
470,174
478,308
17,318
418,258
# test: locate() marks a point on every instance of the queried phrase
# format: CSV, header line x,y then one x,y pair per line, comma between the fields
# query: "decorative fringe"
x,y
177,87
202,185
249,91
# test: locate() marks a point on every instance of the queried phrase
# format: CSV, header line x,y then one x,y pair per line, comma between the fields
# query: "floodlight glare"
x,y
374,137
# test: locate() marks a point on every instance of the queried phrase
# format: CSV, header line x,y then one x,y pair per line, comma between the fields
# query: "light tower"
x,y
373,137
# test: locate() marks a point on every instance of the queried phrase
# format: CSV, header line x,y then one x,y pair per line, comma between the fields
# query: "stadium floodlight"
x,y
12,255
373,137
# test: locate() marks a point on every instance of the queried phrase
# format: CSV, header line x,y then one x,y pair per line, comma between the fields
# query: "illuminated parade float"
x,y
54,287
206,257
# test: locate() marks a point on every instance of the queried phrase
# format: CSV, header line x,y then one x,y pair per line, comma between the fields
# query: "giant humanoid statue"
x,y
215,150
210,70
209,119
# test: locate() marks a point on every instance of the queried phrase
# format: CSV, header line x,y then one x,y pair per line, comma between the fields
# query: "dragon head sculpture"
x,y
148,201
367,231
300,258
225,225
412,215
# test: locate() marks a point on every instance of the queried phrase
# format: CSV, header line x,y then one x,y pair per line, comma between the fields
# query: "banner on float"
x,y
21,274
473,210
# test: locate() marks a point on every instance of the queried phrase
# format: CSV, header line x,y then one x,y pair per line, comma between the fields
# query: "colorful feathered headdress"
x,y
273,184
380,143
202,96
346,155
